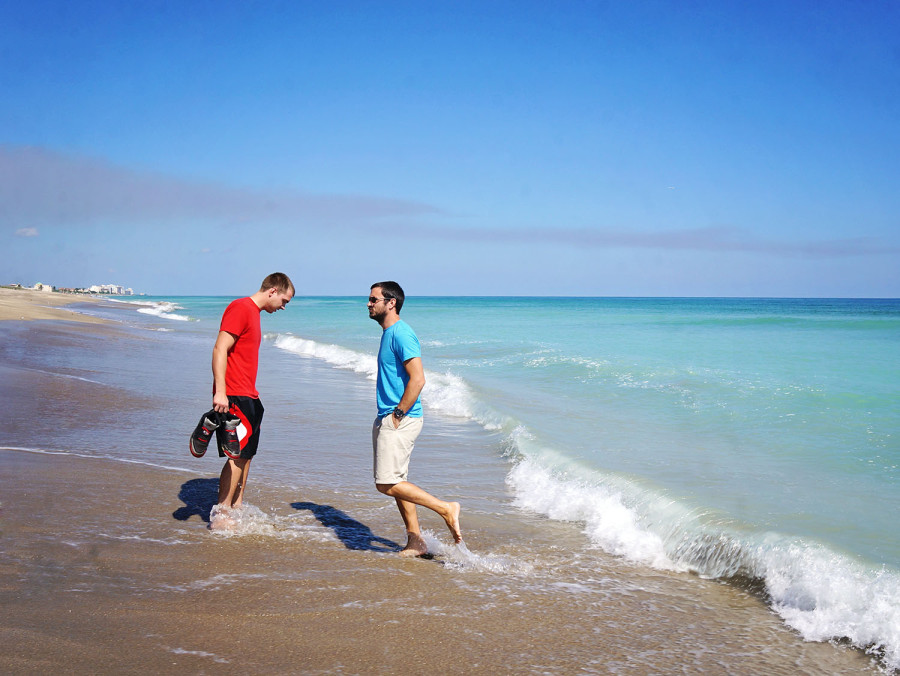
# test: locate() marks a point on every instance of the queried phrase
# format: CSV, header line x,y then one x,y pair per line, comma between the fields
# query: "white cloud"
x,y
714,238
27,232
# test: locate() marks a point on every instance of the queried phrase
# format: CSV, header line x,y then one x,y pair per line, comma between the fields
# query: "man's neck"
x,y
260,299
389,320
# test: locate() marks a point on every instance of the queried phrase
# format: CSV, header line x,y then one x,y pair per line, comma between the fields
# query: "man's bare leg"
x,y
415,545
238,499
409,492
232,482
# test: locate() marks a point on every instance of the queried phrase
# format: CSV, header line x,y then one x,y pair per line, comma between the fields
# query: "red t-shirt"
x,y
241,319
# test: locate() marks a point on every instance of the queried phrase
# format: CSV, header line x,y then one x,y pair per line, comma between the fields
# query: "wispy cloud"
x,y
714,239
39,186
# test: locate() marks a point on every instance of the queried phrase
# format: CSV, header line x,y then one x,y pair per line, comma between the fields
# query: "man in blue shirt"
x,y
401,378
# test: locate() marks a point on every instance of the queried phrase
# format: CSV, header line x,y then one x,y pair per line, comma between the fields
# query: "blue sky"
x,y
481,148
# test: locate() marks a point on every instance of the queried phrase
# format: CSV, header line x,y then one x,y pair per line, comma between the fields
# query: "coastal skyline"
x,y
597,149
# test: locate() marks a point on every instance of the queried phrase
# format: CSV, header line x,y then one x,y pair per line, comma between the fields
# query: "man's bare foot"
x,y
415,546
223,518
452,519
221,522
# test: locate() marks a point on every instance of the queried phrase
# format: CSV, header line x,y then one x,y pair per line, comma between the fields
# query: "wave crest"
x,y
822,594
162,309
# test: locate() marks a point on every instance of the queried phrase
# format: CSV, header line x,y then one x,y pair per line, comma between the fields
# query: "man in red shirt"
x,y
235,361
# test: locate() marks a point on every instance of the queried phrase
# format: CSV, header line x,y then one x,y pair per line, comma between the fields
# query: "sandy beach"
x,y
108,565
28,304
100,577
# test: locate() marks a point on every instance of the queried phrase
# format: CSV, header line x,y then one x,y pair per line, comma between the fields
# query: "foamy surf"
x,y
460,557
825,595
822,594
160,308
164,310
608,522
335,355
250,521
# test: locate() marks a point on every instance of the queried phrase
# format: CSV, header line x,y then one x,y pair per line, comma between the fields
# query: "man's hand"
x,y
220,402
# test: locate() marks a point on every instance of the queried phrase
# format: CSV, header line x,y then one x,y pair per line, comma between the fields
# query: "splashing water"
x,y
460,557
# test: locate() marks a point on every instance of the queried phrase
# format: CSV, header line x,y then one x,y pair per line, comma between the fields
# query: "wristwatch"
x,y
399,414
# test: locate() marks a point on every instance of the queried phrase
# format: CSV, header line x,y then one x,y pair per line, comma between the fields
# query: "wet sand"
x,y
108,567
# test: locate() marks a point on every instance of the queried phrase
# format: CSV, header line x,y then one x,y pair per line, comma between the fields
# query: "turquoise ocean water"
x,y
753,440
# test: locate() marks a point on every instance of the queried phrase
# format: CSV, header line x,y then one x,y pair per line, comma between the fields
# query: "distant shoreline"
x,y
28,305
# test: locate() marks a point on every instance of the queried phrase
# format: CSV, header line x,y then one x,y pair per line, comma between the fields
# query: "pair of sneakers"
x,y
225,426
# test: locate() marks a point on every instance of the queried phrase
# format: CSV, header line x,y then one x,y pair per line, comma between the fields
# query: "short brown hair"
x,y
280,281
391,290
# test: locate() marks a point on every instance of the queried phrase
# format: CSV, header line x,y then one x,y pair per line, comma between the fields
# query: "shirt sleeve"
x,y
407,345
234,319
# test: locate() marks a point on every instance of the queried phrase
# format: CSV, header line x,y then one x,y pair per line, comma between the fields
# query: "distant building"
x,y
43,287
112,289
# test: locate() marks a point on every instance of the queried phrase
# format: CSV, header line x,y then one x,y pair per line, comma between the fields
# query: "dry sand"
x,y
28,304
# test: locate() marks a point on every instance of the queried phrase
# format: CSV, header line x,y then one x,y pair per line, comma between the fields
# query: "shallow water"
x,y
741,440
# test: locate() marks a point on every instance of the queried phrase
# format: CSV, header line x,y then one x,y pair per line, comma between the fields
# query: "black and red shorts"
x,y
250,411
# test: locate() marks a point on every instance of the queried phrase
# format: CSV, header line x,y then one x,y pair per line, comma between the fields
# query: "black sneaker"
x,y
227,437
200,438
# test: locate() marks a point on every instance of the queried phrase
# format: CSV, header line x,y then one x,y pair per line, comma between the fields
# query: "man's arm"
x,y
414,386
224,343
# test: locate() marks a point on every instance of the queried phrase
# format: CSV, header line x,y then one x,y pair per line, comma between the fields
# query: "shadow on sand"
x,y
198,496
352,533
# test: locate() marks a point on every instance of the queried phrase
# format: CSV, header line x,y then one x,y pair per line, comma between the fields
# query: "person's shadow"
x,y
352,533
198,496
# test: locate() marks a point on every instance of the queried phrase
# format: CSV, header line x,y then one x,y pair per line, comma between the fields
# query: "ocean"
x,y
748,441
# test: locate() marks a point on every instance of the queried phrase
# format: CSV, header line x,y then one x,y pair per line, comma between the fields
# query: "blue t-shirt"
x,y
398,344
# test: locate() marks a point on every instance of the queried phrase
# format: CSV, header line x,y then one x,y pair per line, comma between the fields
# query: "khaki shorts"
x,y
392,447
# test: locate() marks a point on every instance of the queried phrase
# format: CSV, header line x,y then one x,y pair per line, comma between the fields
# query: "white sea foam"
x,y
449,394
249,520
460,557
245,520
608,522
164,310
822,594
337,356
